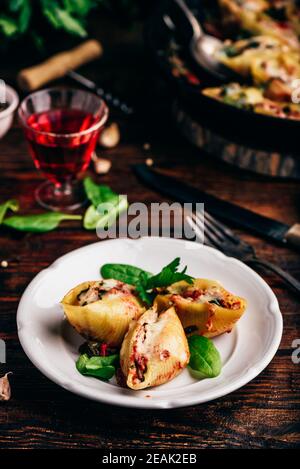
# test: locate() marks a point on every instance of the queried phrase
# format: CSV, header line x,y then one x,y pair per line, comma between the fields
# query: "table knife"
x,y
244,218
110,98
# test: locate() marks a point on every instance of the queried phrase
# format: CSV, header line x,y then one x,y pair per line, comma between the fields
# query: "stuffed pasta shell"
x,y
102,310
253,16
204,307
154,350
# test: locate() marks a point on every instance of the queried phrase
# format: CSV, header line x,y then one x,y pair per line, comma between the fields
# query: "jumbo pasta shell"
x,y
154,350
104,320
214,312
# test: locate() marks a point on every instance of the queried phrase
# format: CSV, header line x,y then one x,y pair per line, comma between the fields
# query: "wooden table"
x,y
264,413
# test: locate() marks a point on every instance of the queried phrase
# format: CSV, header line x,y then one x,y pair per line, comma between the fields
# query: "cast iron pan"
x,y
239,125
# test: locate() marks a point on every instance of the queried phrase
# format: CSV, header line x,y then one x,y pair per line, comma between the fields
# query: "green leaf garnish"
x,y
146,282
11,204
205,360
168,275
105,216
98,367
123,272
39,223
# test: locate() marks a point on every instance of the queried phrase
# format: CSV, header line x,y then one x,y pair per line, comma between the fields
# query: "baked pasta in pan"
x,y
253,99
267,57
275,19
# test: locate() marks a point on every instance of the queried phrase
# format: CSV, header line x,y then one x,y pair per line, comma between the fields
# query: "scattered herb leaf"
x,y
39,223
97,216
11,204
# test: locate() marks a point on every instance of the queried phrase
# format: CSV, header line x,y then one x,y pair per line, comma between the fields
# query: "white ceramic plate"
x,y
52,345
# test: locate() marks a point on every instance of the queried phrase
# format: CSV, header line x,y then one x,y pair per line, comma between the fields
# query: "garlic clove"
x,y
101,165
5,391
110,136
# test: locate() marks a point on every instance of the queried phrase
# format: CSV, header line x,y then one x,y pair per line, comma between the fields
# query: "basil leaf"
x,y
168,275
38,223
94,218
205,359
123,272
98,193
11,204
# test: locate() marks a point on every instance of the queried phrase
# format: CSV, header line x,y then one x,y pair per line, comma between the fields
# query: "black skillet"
x,y
238,125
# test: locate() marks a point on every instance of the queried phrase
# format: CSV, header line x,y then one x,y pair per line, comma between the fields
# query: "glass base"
x,y
65,198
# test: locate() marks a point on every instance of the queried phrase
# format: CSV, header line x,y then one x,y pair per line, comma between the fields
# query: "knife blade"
x,y
242,217
107,96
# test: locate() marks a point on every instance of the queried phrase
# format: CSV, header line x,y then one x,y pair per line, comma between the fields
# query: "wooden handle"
x,y
57,66
293,235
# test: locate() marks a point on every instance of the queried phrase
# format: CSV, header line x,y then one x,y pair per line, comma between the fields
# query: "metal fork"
x,y
219,236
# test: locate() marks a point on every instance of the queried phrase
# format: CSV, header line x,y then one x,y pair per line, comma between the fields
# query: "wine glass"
x,y
62,126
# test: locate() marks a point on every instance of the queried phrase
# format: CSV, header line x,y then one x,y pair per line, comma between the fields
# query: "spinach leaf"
x,y
205,360
81,362
38,223
98,362
98,193
104,216
98,367
105,372
11,204
123,272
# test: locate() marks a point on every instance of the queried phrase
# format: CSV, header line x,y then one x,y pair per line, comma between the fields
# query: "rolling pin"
x,y
59,65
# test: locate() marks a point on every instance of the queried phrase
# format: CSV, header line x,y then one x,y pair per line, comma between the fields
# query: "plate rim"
x,y
132,401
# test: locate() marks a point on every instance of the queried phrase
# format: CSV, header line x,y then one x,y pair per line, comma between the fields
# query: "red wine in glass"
x,y
60,158
62,126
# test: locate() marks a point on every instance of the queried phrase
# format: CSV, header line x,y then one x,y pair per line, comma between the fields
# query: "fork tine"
x,y
213,238
209,227
199,232
225,230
